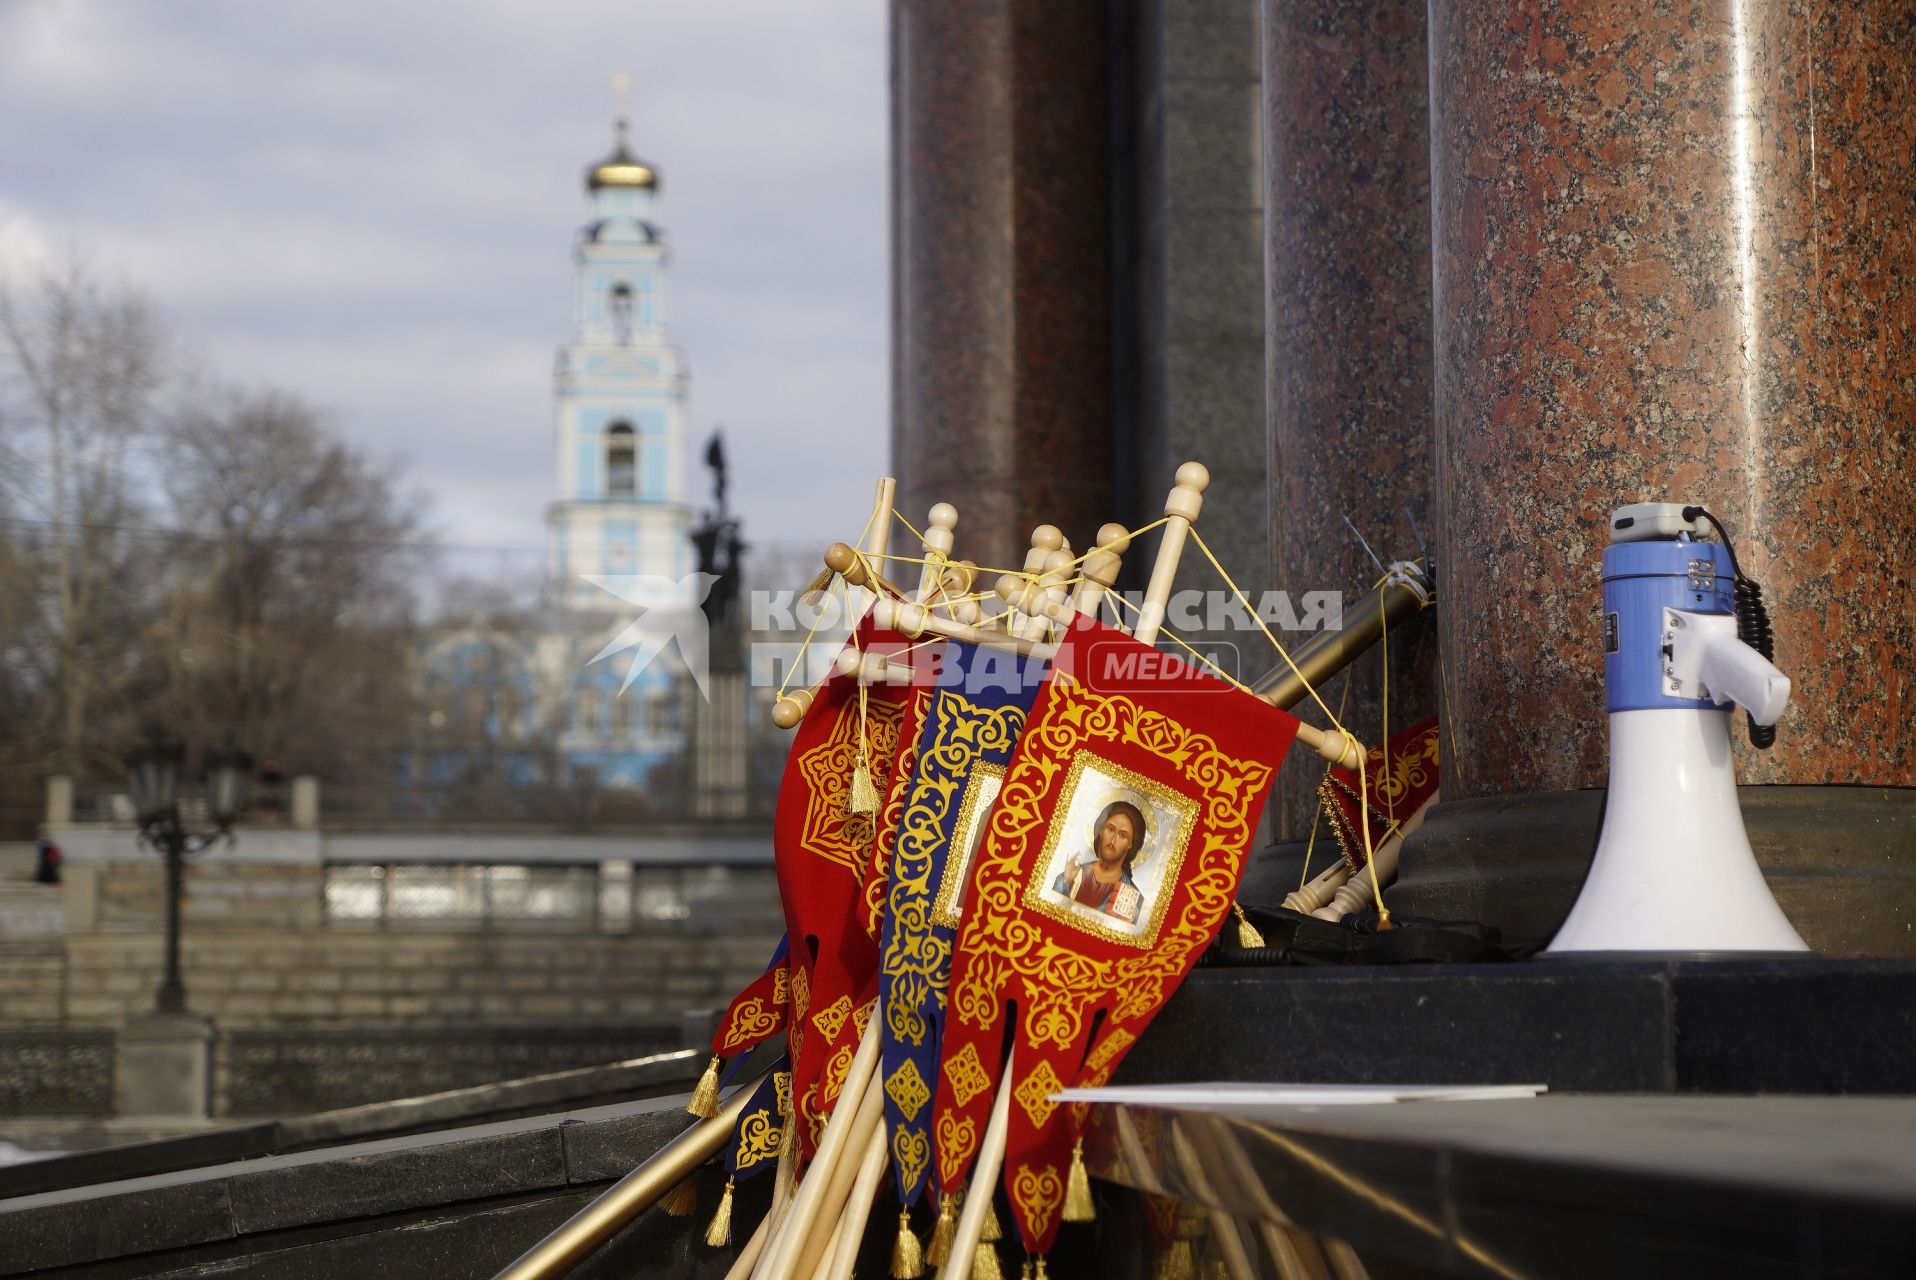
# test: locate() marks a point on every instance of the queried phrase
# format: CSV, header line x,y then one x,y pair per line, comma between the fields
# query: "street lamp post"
x,y
153,779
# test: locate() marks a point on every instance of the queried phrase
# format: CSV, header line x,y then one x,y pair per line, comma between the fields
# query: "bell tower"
x,y
618,399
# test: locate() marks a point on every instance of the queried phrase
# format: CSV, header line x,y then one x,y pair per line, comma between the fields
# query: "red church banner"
x,y
1111,859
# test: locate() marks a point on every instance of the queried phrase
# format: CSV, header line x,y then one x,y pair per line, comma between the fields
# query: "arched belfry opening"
x,y
621,461
619,308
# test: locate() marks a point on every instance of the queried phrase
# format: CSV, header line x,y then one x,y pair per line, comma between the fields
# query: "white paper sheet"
x,y
1226,1095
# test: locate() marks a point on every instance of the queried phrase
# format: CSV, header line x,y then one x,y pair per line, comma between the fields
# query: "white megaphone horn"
x,y
1674,873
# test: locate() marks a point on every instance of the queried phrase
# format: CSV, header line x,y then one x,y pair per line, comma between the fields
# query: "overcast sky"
x,y
373,205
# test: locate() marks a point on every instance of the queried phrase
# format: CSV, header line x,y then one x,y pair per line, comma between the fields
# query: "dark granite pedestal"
x,y
1557,1186
1840,860
1591,1026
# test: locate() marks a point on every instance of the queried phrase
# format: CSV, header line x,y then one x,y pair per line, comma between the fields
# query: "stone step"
x,y
17,861
40,916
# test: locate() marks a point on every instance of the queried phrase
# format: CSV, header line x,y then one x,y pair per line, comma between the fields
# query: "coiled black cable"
x,y
1752,619
1753,629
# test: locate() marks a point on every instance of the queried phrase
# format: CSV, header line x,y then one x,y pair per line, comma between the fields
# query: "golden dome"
x,y
622,168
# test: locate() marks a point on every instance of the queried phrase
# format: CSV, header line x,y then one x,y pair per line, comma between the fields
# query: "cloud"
x,y
375,207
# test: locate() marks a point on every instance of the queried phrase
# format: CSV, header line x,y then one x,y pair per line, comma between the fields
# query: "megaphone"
x,y
1674,873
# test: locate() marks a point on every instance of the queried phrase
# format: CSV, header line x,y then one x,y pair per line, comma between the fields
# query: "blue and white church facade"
x,y
619,400
522,707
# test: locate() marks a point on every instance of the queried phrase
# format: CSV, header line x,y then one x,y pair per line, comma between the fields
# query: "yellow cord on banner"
x,y
1175,639
1350,739
1370,859
1383,648
1266,629
798,659
1317,813
1027,575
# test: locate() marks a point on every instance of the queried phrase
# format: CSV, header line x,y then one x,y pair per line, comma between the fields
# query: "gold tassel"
x,y
816,585
682,1201
984,1263
864,796
992,1232
939,1250
719,1234
907,1259
1077,1189
704,1100
1039,1272
1176,1263
1247,934
1024,1272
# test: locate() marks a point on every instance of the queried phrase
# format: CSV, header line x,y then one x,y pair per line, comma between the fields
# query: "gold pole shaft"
x,y
578,1236
1329,652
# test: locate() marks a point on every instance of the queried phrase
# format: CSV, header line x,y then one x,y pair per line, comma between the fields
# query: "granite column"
x,y
1347,332
1673,251
1002,280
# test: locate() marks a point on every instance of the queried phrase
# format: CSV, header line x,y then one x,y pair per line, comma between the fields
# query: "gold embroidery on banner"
x,y
907,1089
1093,1079
956,1141
1037,1193
801,1002
1411,767
1171,847
829,829
1114,1042
758,1139
1060,983
917,961
911,1148
863,1018
781,985
832,1016
834,1075
751,1020
1034,1093
809,1112
801,995
980,792
967,1075
885,839
782,1085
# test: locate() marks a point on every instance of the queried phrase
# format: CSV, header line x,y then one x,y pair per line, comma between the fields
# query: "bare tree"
x,y
287,623
80,368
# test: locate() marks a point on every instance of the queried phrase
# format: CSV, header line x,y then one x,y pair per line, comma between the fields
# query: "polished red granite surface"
x,y
1673,249
1348,327
1001,231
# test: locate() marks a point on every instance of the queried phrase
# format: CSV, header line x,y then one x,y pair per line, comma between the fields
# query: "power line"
x,y
188,535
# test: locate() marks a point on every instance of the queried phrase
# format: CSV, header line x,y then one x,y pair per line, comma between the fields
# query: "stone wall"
x,y
314,977
32,981
258,950
317,1007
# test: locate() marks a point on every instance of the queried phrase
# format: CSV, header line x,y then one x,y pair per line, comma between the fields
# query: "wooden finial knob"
x,y
1186,498
844,562
790,709
1115,537
1047,537
944,516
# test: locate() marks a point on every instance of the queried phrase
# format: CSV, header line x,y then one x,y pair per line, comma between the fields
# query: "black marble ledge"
x,y
234,1208
1591,1026
510,1099
1564,1186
